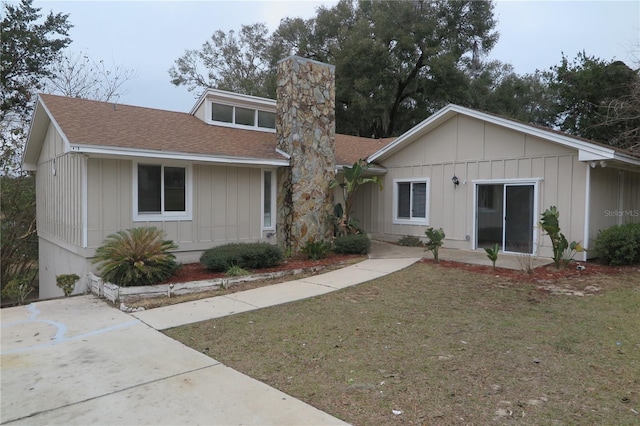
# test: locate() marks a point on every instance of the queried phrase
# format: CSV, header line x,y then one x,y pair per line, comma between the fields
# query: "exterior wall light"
x,y
455,180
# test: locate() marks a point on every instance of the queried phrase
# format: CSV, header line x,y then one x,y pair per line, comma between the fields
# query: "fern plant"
x,y
138,256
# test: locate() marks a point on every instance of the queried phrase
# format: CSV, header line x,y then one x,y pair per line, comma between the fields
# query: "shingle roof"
x,y
104,124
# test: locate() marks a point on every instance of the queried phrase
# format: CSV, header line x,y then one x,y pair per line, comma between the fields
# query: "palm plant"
x,y
353,178
138,256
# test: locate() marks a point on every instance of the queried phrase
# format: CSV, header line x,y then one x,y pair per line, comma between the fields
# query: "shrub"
x,y
410,241
243,255
619,245
352,244
67,282
316,250
435,239
18,289
236,271
137,256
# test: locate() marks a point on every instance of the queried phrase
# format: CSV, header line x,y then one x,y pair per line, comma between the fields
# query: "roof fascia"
x,y
587,151
37,121
166,155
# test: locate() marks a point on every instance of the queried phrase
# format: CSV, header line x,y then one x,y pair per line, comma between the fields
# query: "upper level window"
x,y
222,113
411,201
242,116
161,191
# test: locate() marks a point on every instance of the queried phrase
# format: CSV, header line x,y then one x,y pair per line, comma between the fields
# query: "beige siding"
x,y
226,206
59,192
474,150
615,199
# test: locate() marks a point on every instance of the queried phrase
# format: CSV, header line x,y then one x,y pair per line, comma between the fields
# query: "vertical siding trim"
x,y
587,210
84,195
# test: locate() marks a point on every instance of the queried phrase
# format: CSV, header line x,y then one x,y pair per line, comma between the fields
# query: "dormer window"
x,y
242,116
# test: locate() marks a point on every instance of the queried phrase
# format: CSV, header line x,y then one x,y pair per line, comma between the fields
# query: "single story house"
x,y
243,168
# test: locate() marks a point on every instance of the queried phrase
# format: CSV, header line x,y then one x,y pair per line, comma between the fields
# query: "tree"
x,y
28,49
590,94
234,63
78,76
396,62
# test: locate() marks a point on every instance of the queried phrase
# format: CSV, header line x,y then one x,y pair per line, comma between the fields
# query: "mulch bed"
x,y
548,273
197,272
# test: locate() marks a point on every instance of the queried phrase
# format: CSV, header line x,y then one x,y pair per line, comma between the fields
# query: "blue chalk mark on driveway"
x,y
61,331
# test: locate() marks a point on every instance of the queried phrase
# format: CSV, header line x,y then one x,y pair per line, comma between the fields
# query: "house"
x,y
242,168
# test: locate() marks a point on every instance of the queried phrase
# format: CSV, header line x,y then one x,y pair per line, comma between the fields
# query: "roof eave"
x,y
587,151
179,156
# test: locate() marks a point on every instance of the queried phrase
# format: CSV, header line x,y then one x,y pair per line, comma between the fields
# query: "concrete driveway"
x,y
80,361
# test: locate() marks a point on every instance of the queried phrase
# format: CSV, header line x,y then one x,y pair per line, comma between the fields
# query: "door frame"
x,y
513,182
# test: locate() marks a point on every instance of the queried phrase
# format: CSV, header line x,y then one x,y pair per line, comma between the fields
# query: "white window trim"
x,y
274,197
210,120
412,221
164,216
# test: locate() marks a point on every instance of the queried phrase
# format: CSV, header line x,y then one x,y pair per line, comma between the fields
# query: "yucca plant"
x,y
138,256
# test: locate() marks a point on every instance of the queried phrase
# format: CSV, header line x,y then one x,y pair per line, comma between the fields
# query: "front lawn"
x,y
438,345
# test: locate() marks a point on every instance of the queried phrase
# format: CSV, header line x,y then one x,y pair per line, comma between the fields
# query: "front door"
x,y
504,216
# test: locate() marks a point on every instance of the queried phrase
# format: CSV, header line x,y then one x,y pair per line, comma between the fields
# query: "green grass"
x,y
445,346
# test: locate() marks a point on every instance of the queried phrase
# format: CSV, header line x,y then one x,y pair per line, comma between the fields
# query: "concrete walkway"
x,y
80,361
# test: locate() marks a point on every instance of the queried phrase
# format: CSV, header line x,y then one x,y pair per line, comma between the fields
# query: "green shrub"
x,y
243,255
316,250
492,254
236,271
435,239
352,244
18,289
67,282
137,256
619,245
410,241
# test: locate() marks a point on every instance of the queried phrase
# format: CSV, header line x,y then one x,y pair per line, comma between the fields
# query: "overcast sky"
x,y
148,36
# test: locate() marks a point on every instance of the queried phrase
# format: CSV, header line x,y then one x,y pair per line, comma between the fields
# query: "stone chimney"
x,y
305,129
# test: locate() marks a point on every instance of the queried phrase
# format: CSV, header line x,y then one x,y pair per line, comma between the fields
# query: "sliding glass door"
x,y
504,216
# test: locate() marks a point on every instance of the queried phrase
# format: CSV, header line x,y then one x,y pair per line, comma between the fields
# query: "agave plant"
x,y
138,256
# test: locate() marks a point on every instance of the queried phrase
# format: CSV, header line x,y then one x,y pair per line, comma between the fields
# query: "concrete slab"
x,y
479,257
384,265
280,293
191,312
214,395
345,277
101,366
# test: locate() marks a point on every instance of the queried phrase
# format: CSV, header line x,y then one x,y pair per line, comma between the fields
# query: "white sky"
x,y
148,36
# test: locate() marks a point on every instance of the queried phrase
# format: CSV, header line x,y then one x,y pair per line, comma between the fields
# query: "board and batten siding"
x,y
615,199
226,206
59,180
473,149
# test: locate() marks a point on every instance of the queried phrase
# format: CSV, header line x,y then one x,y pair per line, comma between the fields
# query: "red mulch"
x,y
543,273
197,272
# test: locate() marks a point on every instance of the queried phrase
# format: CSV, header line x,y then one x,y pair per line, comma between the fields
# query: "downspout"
x,y
587,210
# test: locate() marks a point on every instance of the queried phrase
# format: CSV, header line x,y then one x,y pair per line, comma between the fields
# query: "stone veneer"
x,y
305,128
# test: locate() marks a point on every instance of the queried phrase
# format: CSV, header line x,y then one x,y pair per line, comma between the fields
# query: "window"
x,y
222,113
268,199
245,116
266,119
411,201
161,191
242,116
